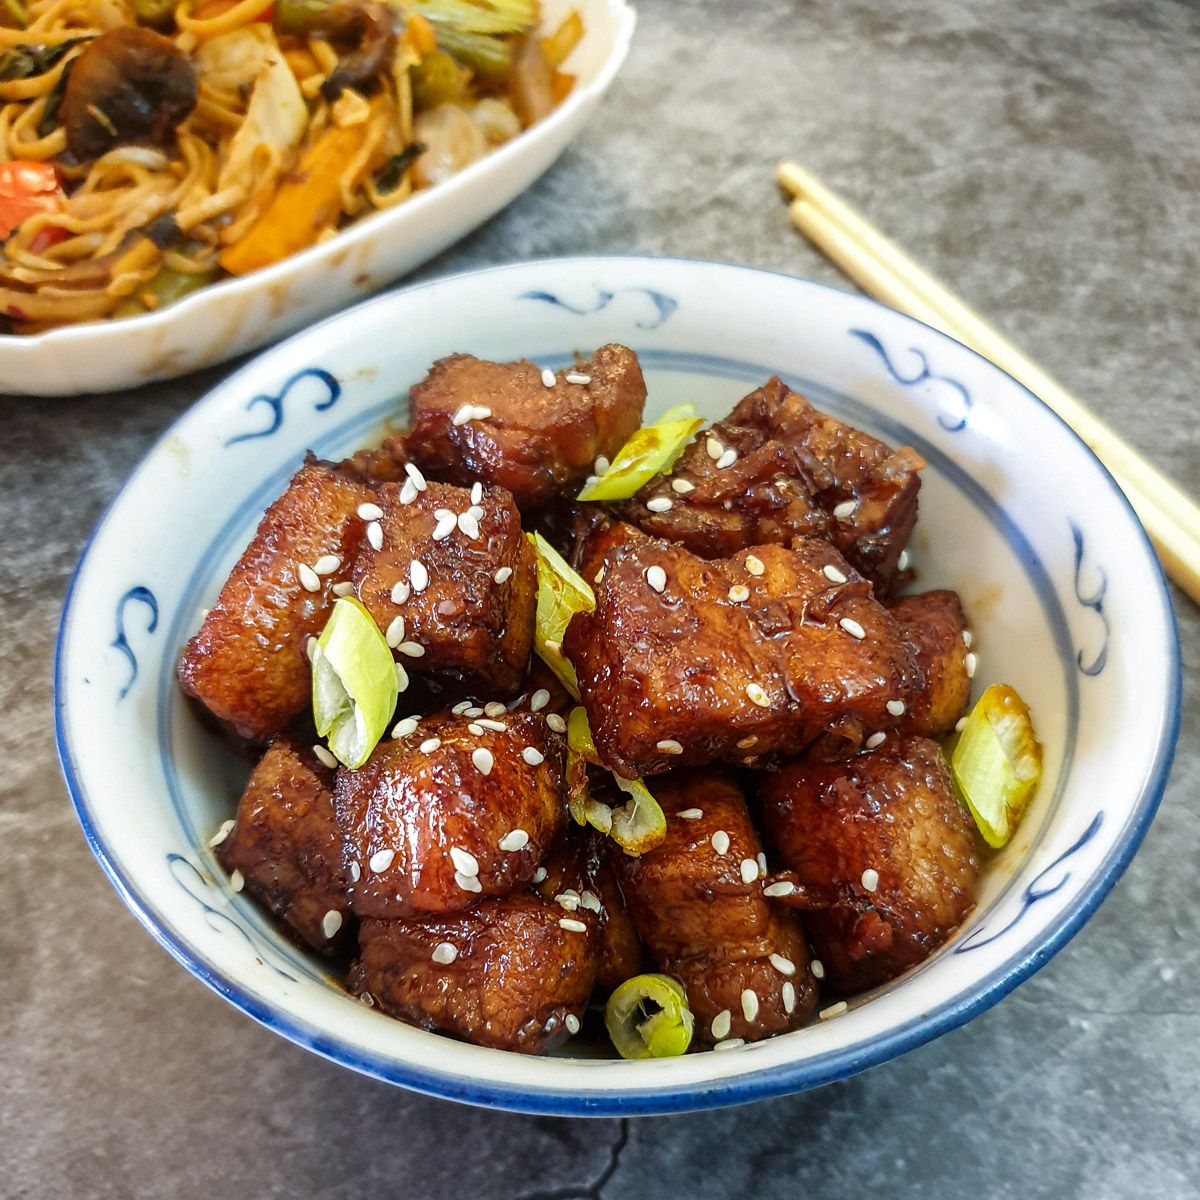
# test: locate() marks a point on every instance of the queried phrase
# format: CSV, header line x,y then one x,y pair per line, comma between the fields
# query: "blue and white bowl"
x,y
1062,589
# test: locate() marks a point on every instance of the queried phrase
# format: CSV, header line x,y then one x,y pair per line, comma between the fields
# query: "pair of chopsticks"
x,y
883,270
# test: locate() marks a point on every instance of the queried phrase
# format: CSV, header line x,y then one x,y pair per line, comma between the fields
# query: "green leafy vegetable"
x,y
479,33
652,450
561,594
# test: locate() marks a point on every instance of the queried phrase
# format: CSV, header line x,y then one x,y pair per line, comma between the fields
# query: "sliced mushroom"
x,y
372,27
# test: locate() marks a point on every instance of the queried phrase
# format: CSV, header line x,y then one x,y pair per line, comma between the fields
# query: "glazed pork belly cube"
x,y
687,661
935,628
452,581
514,972
885,857
454,811
697,901
499,422
286,845
248,664
777,468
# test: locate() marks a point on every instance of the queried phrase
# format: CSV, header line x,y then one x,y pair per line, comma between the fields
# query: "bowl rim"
x,y
570,1099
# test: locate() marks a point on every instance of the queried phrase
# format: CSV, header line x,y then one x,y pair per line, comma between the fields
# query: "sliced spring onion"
x,y
651,451
561,594
354,683
648,1017
997,763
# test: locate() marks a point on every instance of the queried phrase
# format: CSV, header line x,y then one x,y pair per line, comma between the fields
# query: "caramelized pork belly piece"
x,y
248,664
698,904
594,548
885,855
499,422
690,661
777,468
513,972
934,627
287,847
622,955
458,572
458,809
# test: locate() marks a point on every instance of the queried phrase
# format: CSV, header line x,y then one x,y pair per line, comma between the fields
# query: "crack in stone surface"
x,y
595,1189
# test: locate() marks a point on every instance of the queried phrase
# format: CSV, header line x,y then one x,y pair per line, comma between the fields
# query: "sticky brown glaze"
x,y
706,924
419,804
933,625
286,844
676,665
517,977
248,664
469,625
891,811
795,467
538,442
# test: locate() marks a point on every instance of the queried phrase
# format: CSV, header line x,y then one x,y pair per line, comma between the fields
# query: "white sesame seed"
x,y
461,707
533,756
469,525
902,561
875,741
237,881
226,828
539,700
749,870
468,883
970,662
739,592
590,901
548,378
571,925
845,509
784,966
601,464
475,728
539,876
327,564
556,723
414,474
682,486
311,646
746,742
720,841
669,746
853,628
483,760
968,637
353,871
834,1010
714,447
870,879
473,711
656,577
750,1004
345,588
401,678
465,863
395,632
408,493
476,492
445,527
444,953
331,922
503,575
960,724
375,535
400,592
782,888
324,757
787,994
690,814
754,564
818,968
727,459
494,726
514,839
730,1044
572,1021
411,649
381,860
309,580
757,696
553,646
568,900
761,859
367,999
494,708
429,745
576,377
463,415
660,504
443,513
370,512
721,1023
896,707
833,574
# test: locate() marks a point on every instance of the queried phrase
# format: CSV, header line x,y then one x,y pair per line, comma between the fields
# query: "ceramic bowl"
x,y
1062,590
237,315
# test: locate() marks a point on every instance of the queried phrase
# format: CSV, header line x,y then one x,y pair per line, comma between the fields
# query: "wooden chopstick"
x,y
882,269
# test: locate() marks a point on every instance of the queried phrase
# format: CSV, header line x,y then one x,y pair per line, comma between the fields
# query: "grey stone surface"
x,y
1045,159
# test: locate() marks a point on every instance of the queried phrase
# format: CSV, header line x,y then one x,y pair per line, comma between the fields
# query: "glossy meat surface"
x,y
412,817
516,975
538,442
286,844
468,624
247,665
698,904
933,625
891,812
798,472
720,678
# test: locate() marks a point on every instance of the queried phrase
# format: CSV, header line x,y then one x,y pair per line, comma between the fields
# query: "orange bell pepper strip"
x,y
26,189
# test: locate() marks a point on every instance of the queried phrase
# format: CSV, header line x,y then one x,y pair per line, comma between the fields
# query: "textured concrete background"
x,y
1045,159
